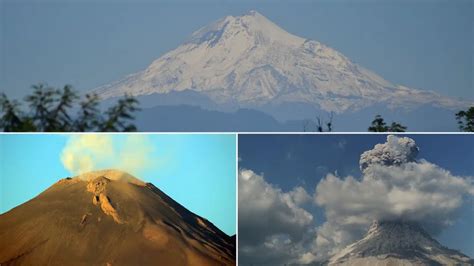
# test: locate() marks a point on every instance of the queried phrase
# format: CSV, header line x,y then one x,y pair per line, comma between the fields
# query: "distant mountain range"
x,y
248,62
109,218
398,243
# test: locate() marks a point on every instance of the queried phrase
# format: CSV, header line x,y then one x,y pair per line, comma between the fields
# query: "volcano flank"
x,y
109,217
398,243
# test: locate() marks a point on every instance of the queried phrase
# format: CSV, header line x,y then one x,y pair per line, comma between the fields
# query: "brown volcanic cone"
x,y
109,217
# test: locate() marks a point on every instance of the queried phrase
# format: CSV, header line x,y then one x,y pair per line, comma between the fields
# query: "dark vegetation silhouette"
x,y
466,120
50,110
379,125
320,124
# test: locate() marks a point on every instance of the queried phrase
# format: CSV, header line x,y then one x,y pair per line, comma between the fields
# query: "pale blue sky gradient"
x,y
426,44
198,171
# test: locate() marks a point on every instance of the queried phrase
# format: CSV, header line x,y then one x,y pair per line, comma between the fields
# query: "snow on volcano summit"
x,y
398,243
250,61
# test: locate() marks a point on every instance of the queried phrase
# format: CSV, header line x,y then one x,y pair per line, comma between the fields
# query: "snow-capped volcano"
x,y
249,61
398,243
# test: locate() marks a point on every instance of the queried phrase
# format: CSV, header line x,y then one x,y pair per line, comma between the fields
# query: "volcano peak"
x,y
111,174
250,62
399,242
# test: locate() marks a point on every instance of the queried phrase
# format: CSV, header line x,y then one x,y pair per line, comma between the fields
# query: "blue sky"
x,y
287,161
419,44
198,171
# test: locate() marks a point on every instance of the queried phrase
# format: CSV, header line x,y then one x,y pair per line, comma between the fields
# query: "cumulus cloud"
x,y
277,249
89,152
272,223
394,186
299,195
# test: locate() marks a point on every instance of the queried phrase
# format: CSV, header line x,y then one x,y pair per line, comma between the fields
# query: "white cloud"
x,y
277,249
271,222
299,195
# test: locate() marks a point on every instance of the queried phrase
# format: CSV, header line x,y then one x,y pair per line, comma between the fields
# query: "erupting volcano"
x,y
109,218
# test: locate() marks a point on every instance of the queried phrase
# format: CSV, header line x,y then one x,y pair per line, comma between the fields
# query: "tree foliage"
x,y
466,120
50,110
379,125
320,124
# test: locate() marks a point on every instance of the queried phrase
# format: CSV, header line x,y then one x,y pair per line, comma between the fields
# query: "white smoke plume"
x,y
394,186
89,152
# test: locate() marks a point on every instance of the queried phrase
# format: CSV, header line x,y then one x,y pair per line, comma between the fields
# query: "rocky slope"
x,y
109,218
398,243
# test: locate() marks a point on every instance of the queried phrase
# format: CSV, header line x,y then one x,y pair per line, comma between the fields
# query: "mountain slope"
x,y
109,218
248,61
398,243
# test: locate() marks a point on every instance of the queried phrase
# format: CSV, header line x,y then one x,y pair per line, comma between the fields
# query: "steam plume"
x,y
85,153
